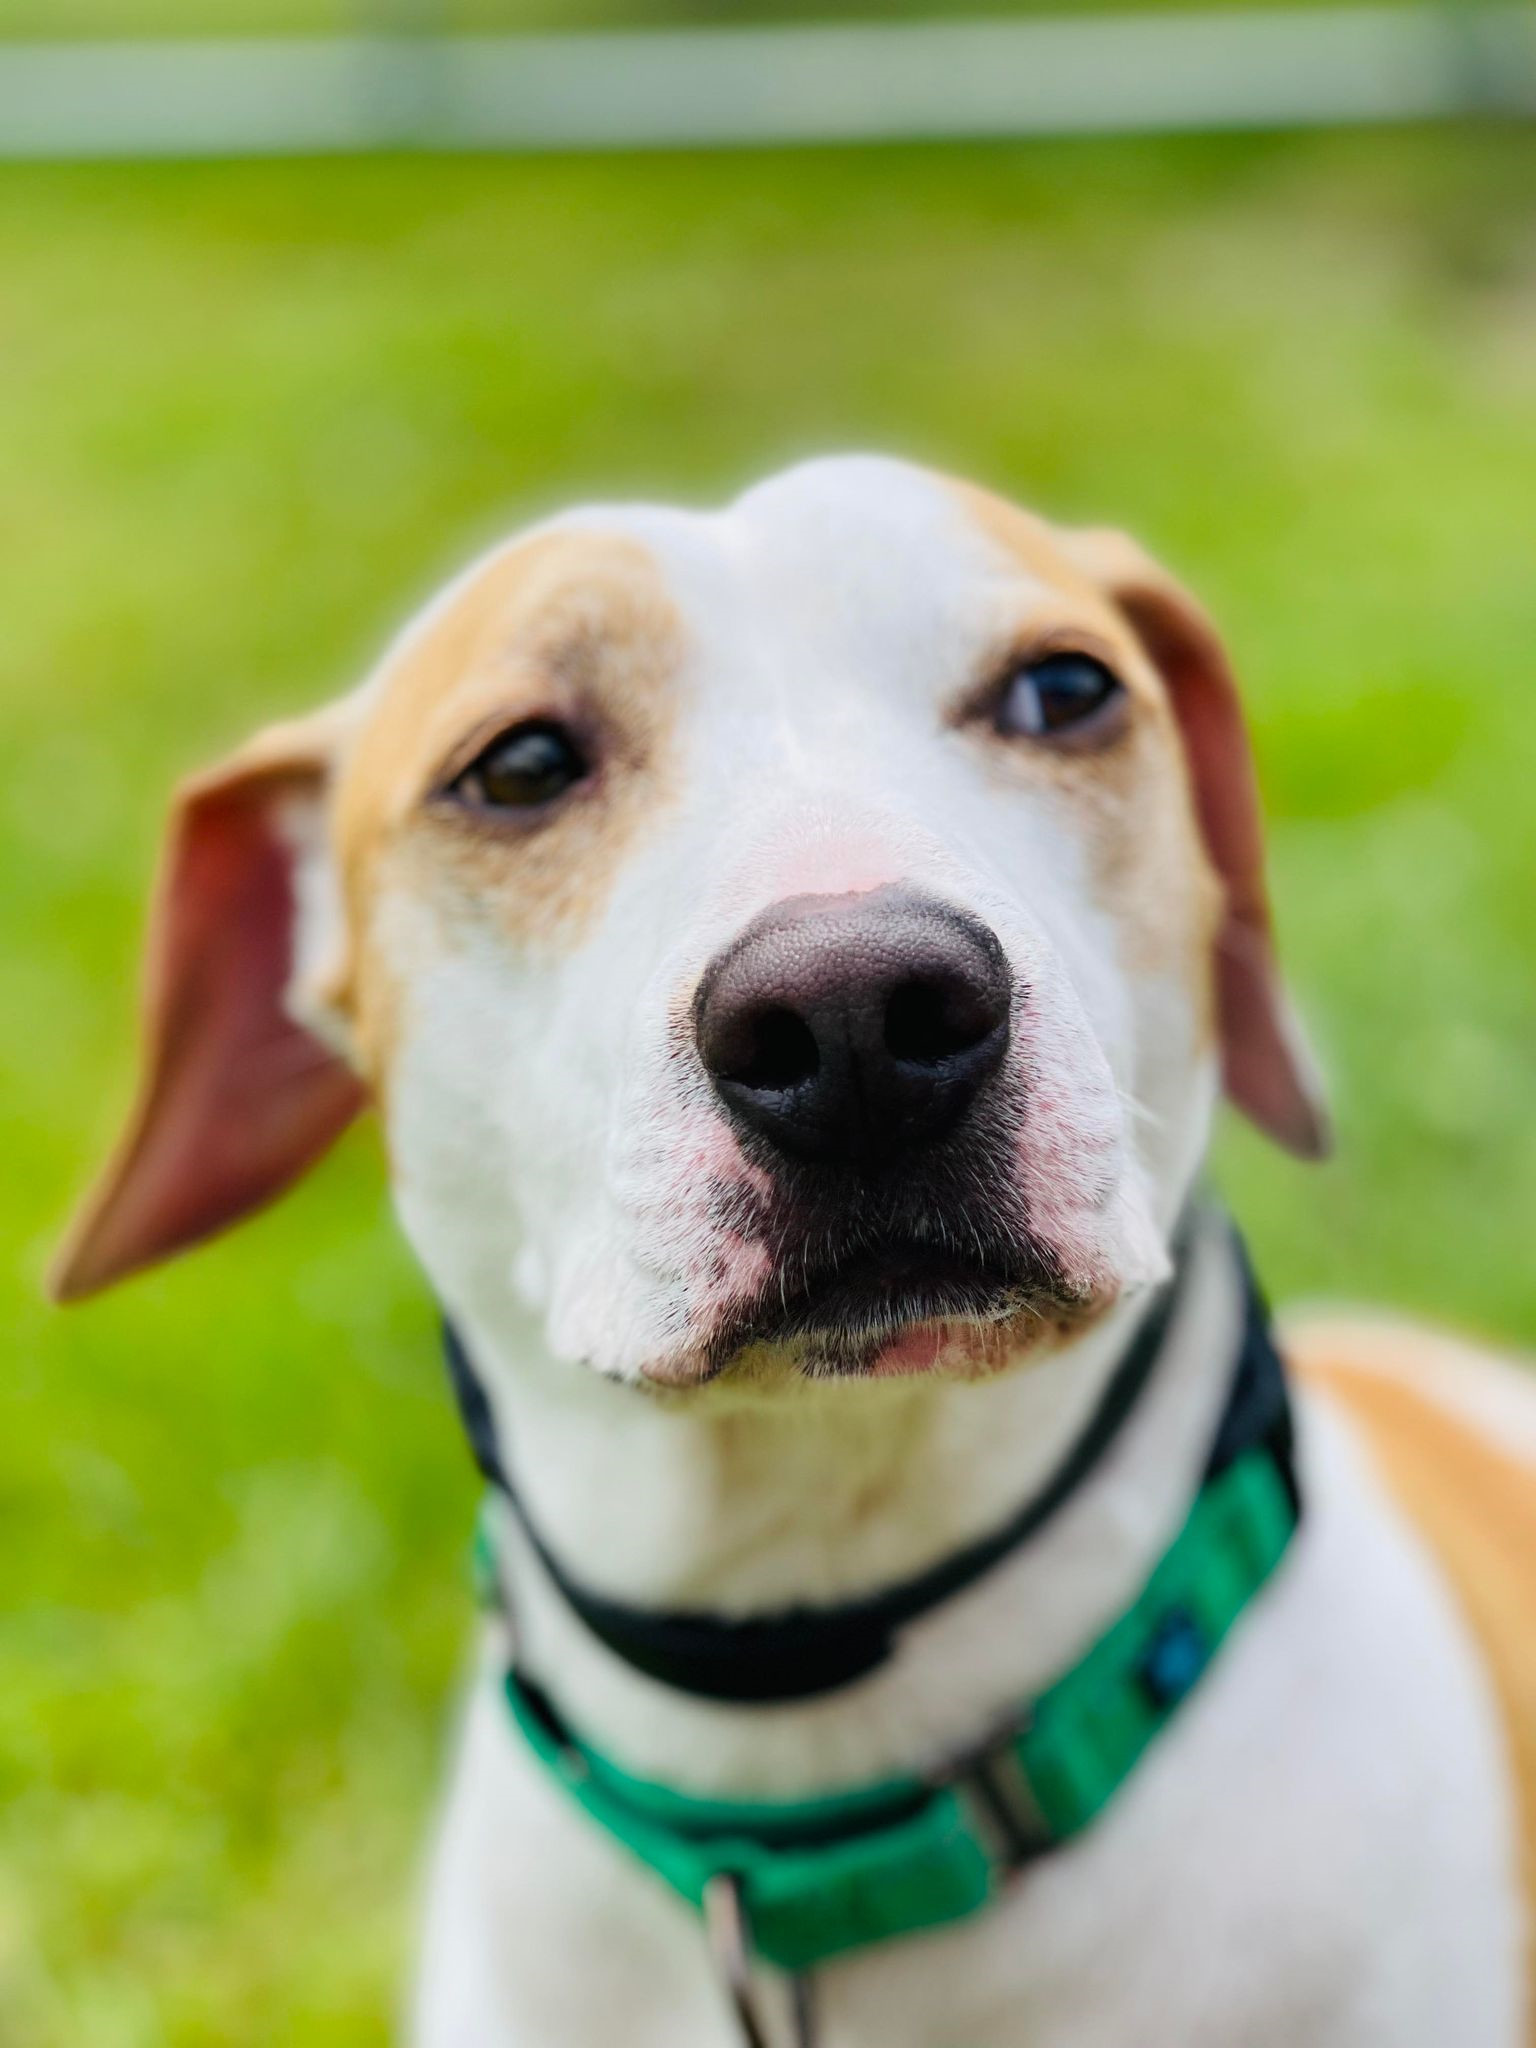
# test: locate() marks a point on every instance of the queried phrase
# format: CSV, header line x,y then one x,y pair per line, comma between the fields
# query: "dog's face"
x,y
807,934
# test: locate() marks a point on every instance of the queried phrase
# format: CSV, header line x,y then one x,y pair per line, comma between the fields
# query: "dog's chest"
x,y
1338,1779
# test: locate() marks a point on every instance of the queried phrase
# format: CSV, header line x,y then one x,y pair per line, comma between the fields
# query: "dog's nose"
x,y
853,1030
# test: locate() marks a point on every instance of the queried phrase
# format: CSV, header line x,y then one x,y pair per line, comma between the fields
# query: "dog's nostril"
x,y
927,1023
780,1052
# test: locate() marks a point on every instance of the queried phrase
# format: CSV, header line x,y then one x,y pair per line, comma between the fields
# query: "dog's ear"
x,y
237,1097
1267,1066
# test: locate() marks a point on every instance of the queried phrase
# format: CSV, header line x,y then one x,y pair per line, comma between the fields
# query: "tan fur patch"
x,y
1030,541
1131,798
571,626
1476,1507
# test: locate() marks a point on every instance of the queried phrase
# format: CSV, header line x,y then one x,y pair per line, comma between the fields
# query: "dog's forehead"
x,y
865,516
832,582
851,548
866,543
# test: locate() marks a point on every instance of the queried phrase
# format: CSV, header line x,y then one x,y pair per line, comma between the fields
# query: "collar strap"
x,y
800,1652
819,1878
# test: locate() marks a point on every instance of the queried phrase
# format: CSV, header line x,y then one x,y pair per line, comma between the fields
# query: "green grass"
x,y
250,413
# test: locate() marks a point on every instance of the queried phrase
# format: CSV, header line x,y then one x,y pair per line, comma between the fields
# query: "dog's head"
x,y
811,931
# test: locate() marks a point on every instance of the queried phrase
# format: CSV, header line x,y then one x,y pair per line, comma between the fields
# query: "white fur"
x,y
1320,1850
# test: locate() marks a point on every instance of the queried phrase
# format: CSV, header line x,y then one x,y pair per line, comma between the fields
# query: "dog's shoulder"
x,y
1451,1427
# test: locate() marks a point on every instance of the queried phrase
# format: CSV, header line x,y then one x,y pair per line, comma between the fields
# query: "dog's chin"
x,y
892,1311
1015,1327
948,1347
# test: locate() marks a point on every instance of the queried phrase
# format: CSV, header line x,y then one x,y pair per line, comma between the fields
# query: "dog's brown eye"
x,y
530,765
1054,694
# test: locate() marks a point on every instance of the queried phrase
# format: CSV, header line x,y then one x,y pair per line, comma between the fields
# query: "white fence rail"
x,y
668,88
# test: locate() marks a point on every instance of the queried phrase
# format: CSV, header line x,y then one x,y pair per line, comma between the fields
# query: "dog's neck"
x,y
839,1490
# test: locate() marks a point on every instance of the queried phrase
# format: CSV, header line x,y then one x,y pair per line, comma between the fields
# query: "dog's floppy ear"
x,y
237,1097
1266,1064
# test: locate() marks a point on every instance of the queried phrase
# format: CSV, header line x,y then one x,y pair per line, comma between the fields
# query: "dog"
x,y
795,953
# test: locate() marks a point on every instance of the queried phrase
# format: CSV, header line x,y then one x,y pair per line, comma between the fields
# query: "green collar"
x,y
800,1882
817,1878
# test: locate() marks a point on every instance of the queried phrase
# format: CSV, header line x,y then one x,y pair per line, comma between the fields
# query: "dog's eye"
x,y
530,765
1053,694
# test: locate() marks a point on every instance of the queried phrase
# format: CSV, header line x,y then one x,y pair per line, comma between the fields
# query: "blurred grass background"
x,y
249,413
109,19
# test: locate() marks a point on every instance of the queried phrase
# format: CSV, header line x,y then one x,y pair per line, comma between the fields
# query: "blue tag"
x,y
1174,1659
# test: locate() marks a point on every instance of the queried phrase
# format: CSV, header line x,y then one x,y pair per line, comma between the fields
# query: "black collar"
x,y
799,1652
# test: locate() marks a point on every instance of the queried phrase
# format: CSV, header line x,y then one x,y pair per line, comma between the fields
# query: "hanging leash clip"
x,y
730,1945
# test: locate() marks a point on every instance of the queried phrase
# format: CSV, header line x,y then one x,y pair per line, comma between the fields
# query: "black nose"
x,y
855,1029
